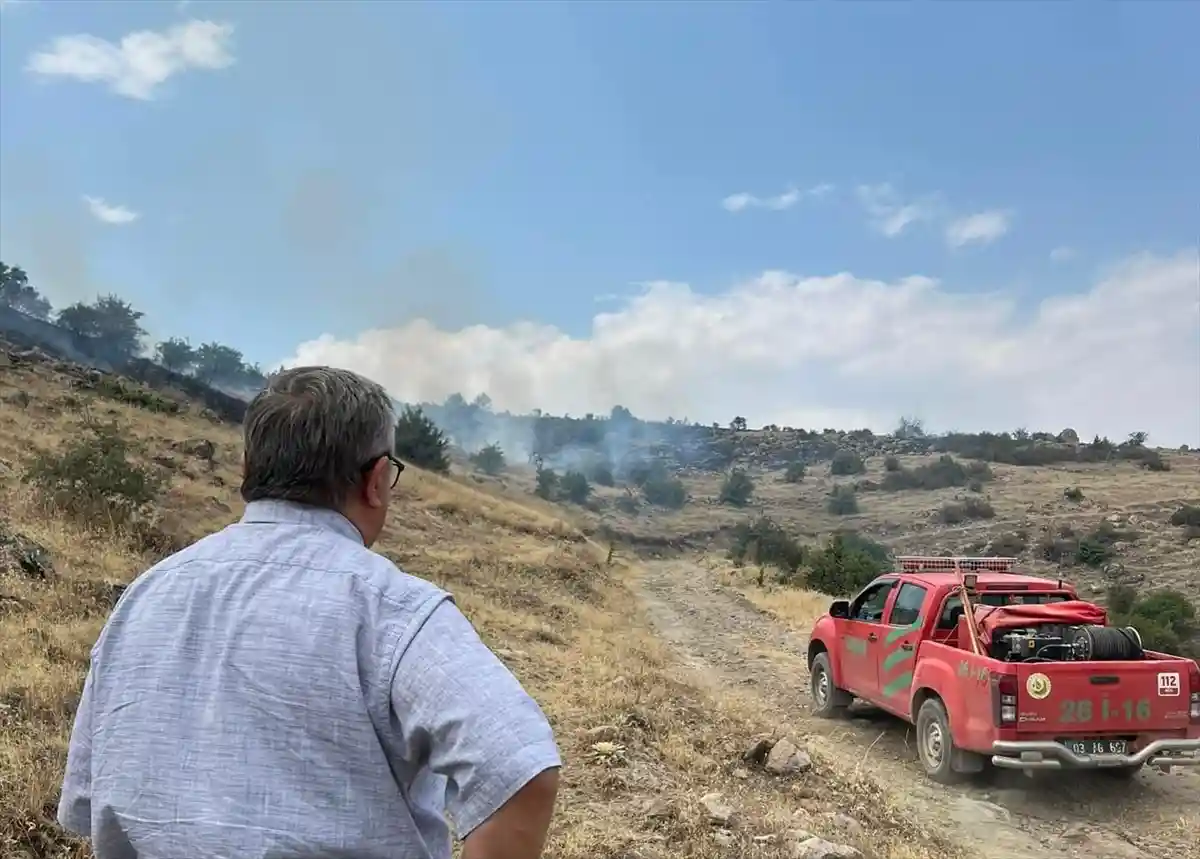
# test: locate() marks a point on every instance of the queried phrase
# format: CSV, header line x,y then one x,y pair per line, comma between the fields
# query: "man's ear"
x,y
375,486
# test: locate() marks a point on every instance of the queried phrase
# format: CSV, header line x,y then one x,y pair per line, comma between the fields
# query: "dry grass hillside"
x,y
646,744
1037,513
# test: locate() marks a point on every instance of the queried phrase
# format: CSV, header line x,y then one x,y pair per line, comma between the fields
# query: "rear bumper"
x,y
1048,755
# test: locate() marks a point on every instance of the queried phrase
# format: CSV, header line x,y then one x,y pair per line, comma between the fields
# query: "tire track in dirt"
x,y
731,643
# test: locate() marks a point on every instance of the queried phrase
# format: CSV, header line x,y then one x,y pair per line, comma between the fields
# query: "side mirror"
x,y
839,608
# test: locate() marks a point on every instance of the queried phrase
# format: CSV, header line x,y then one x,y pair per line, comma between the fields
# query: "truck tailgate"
x,y
1103,697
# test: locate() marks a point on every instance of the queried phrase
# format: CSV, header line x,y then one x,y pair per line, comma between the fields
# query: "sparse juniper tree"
x,y
738,424
489,459
420,441
176,354
217,363
110,325
737,488
15,292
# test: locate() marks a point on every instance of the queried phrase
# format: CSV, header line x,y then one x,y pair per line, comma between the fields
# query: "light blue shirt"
x,y
278,690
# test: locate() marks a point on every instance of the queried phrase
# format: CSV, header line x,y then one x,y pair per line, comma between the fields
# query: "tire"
x,y
829,702
935,745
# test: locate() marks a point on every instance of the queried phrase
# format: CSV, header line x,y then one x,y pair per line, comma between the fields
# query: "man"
x,y
279,690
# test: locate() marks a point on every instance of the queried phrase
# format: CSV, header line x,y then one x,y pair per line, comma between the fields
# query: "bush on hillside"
x,y
602,474
846,462
421,442
489,459
93,479
573,486
1188,514
1165,619
965,509
840,570
795,472
547,484
737,488
764,541
1073,493
891,463
1094,549
662,490
1008,544
943,473
842,501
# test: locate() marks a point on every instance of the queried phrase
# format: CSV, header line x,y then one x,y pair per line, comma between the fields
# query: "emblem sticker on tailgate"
x,y
1169,685
1038,686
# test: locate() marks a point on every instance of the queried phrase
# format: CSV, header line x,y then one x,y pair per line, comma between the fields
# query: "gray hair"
x,y
310,433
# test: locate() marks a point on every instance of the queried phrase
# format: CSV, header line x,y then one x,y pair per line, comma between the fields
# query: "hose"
x,y
1108,643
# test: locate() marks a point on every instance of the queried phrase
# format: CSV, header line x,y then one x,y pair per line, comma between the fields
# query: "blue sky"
x,y
352,166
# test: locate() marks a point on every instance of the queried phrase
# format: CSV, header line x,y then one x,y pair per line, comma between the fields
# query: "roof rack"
x,y
932,564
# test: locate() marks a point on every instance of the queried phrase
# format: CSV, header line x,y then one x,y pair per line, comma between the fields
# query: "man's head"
x,y
324,437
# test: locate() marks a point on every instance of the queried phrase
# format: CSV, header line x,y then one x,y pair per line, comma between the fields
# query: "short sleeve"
x,y
75,802
463,711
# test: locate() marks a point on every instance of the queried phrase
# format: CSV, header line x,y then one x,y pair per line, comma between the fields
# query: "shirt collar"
x,y
293,513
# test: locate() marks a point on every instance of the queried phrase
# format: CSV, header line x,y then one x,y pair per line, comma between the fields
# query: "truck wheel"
x,y
935,746
828,700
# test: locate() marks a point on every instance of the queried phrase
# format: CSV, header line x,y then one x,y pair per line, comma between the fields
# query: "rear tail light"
x,y
1194,710
1004,695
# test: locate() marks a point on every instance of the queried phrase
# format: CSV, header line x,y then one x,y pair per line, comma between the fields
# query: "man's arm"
x,y
75,802
461,709
518,829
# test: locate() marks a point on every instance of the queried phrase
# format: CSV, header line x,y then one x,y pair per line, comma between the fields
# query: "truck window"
x,y
952,607
870,603
906,610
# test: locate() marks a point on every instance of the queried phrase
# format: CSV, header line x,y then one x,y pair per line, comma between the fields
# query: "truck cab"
x,y
1001,669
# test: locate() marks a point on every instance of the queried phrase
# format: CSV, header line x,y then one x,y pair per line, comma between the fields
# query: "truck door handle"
x,y
906,646
872,637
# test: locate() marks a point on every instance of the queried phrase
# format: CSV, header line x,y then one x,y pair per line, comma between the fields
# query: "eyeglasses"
x,y
370,463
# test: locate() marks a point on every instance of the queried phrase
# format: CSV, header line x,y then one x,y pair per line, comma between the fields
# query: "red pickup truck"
x,y
996,668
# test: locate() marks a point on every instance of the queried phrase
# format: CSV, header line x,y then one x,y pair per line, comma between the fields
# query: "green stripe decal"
x,y
895,658
857,646
900,684
899,633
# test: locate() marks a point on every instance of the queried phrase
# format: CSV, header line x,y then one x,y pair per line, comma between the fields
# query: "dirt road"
x,y
730,642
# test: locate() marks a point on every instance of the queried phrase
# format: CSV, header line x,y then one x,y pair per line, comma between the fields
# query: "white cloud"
x,y
835,351
109,214
1062,254
790,197
980,228
889,213
141,62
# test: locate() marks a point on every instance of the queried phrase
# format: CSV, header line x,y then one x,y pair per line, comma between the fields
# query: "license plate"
x,y
1097,747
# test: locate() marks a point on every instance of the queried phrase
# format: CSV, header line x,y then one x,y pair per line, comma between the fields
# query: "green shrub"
x,y
842,501
1008,544
573,486
489,459
1073,493
114,388
547,484
602,474
421,442
954,512
891,463
840,570
943,473
93,479
846,462
1165,619
764,541
665,491
737,488
795,472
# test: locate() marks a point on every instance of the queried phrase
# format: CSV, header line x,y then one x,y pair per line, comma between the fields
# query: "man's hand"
x,y
518,828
